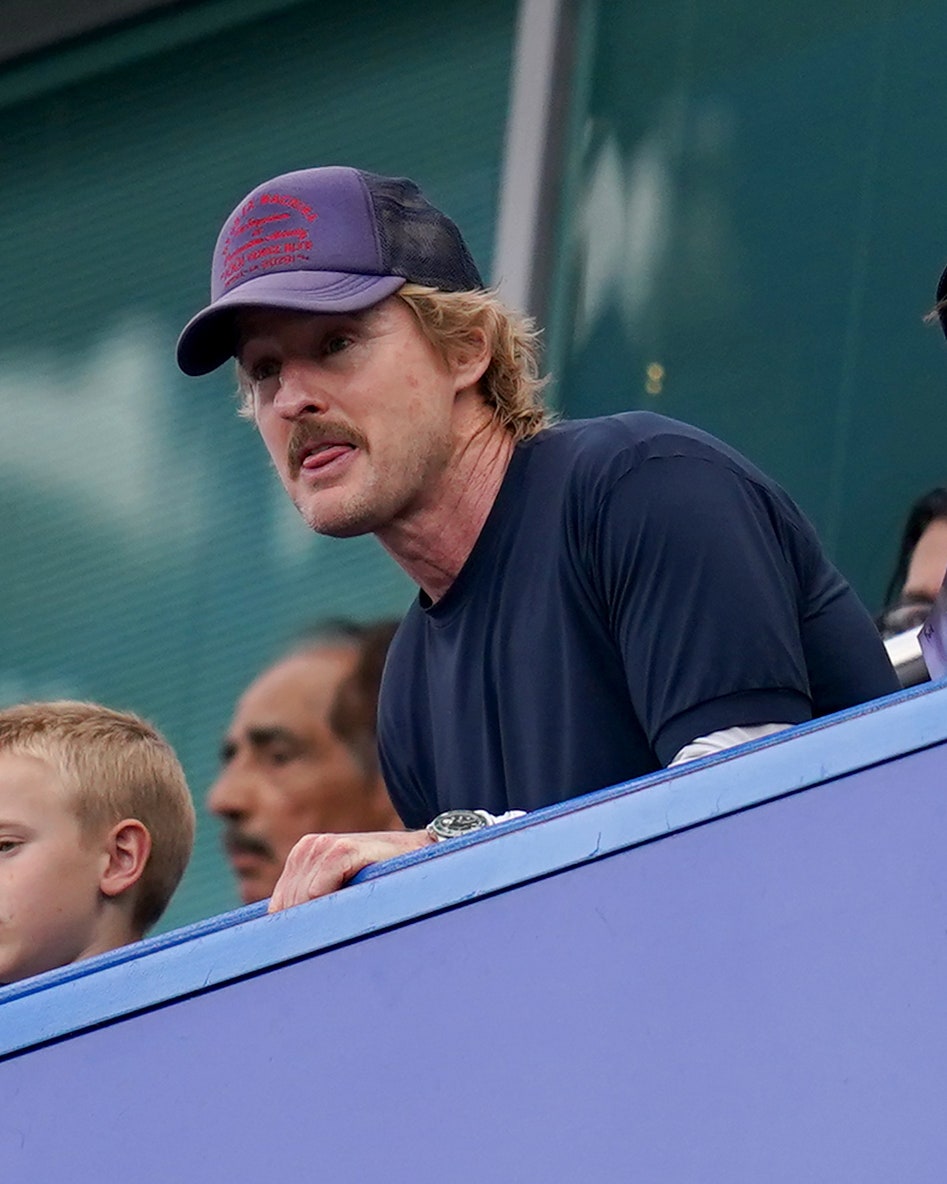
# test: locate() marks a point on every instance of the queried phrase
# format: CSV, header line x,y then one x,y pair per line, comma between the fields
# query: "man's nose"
x,y
300,391
231,794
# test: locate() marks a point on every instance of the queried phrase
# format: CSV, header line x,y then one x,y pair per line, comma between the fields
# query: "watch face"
x,y
452,823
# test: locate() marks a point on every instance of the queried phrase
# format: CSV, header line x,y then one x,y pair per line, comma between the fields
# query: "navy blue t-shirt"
x,y
637,584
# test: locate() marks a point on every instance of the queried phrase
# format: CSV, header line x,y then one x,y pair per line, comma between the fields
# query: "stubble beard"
x,y
352,518
385,497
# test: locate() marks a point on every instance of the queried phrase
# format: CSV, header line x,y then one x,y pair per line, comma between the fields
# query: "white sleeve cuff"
x,y
727,738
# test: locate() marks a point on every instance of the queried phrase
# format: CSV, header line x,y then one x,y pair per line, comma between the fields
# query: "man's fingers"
x,y
320,864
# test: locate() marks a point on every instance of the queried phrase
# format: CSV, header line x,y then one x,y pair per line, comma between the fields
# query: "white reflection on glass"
x,y
95,429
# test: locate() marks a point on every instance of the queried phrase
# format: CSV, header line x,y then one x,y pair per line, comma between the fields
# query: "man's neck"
x,y
434,542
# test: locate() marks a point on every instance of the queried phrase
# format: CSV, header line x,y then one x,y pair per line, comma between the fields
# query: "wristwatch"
x,y
454,823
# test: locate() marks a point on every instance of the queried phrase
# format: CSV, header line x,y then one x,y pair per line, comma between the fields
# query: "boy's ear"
x,y
127,847
470,360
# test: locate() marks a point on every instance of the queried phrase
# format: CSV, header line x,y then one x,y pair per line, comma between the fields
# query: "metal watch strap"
x,y
453,824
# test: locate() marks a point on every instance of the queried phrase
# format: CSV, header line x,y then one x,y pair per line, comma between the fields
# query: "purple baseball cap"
x,y
332,239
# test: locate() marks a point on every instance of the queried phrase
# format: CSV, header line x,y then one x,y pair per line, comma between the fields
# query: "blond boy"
x,y
96,828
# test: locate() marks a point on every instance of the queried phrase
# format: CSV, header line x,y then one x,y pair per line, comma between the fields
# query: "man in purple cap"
x,y
597,599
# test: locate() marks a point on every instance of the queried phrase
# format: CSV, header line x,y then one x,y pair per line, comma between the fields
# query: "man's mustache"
x,y
237,842
309,432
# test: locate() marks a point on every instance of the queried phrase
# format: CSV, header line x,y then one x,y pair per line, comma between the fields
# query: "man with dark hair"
x,y
920,566
300,754
354,714
597,599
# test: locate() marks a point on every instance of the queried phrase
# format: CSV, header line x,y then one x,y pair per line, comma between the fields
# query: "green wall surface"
x,y
754,226
150,560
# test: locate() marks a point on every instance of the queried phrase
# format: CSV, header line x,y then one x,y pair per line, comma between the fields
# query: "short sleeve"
x,y
702,598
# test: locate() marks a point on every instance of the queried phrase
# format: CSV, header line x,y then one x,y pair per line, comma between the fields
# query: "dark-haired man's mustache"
x,y
236,842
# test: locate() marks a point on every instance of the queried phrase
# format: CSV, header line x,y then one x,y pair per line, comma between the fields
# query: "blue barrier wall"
x,y
732,972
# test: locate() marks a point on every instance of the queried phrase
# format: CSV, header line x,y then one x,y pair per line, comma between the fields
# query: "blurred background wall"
x,y
752,233
734,218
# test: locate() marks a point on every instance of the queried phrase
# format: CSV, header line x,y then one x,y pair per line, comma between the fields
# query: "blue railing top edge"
x,y
245,940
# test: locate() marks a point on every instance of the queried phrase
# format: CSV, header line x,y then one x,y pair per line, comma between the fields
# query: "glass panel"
x,y
754,235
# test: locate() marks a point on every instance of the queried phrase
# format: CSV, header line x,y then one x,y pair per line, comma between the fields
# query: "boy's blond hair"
x,y
114,765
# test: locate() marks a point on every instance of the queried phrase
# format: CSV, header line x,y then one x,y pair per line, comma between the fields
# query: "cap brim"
x,y
210,338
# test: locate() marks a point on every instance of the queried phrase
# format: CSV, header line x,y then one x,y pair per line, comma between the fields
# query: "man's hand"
x,y
320,864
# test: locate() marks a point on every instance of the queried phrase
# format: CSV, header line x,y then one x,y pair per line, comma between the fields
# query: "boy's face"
x,y
50,903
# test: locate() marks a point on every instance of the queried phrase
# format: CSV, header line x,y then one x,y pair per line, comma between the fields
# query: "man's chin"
x,y
344,524
344,512
252,891
254,885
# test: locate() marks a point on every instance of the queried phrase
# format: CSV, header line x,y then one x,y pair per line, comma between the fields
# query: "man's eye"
x,y
336,344
7,845
264,369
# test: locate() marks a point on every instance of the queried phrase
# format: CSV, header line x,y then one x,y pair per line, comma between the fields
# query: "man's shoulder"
x,y
643,430
650,468
612,445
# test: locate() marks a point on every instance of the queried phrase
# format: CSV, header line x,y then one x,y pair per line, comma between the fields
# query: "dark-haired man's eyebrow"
x,y
261,737
228,751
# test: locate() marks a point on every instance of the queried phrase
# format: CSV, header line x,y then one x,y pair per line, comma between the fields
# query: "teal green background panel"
x,y
755,212
150,560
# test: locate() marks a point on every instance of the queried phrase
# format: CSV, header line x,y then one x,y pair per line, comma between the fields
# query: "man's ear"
x,y
127,847
470,359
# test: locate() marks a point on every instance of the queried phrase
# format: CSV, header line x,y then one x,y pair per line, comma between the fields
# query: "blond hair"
x,y
511,384
113,765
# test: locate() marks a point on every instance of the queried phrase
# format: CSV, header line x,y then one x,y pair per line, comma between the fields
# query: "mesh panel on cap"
x,y
417,240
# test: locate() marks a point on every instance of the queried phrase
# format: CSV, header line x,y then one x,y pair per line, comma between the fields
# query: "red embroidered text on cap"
x,y
256,244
